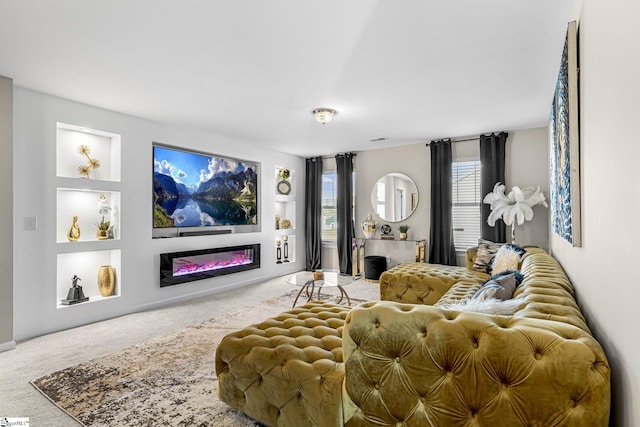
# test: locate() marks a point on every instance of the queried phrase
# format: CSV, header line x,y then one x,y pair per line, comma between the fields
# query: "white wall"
x,y
527,158
528,166
6,213
35,117
371,165
603,270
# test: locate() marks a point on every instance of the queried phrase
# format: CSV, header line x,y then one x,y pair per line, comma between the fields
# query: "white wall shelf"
x,y
87,246
84,205
78,195
103,147
285,208
85,265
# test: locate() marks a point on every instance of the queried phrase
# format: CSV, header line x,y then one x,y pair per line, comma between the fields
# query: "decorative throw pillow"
x,y
500,286
506,258
486,251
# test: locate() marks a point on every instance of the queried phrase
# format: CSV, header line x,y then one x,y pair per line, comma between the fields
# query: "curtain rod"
x,y
461,140
334,156
474,138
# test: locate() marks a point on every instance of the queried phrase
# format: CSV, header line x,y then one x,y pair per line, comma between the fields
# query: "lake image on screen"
x,y
193,190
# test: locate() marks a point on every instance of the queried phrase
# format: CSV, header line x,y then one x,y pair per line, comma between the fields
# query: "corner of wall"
x,y
6,212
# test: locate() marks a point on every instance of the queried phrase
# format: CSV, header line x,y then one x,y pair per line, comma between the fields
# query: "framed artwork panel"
x,y
565,145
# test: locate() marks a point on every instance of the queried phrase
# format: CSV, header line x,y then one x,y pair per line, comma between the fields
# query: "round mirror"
x,y
394,197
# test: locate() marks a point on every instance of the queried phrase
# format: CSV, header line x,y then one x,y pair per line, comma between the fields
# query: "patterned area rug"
x,y
169,380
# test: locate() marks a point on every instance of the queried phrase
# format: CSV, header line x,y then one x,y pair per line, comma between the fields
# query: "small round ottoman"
x,y
374,266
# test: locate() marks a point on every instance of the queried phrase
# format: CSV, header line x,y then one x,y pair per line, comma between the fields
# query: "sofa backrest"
x,y
547,290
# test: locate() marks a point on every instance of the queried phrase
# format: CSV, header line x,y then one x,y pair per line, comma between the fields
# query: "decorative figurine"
x,y
285,224
386,232
75,295
74,231
92,164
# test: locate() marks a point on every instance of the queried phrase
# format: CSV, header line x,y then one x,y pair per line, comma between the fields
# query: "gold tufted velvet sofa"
x,y
392,363
420,283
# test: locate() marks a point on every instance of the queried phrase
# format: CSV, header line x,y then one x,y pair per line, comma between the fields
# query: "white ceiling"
x,y
408,70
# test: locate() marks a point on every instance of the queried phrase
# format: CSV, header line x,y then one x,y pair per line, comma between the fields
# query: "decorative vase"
x,y
106,280
102,234
369,227
403,236
74,231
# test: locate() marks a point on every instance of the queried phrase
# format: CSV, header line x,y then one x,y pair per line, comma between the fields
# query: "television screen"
x,y
192,189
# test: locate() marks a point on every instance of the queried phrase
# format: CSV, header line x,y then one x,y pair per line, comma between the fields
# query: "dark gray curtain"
x,y
492,161
313,213
344,163
441,247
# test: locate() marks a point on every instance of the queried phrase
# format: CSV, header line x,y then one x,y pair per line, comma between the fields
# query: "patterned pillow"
x,y
506,258
500,286
486,251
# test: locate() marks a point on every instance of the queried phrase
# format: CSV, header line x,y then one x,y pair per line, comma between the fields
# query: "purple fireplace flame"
x,y
181,267
209,262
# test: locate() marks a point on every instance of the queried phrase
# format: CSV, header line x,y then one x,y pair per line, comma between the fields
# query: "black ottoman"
x,y
374,266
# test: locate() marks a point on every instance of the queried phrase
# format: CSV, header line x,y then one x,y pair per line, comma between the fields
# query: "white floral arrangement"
x,y
515,206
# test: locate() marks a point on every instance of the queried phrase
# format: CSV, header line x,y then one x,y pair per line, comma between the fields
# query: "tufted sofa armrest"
x,y
287,370
418,365
470,257
420,283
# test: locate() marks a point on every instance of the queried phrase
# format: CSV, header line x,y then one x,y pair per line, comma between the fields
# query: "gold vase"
x,y
74,231
102,234
106,280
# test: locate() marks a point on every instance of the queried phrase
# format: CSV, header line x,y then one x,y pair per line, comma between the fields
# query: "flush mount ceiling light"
x,y
323,115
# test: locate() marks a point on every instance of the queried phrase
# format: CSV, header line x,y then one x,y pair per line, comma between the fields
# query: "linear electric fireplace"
x,y
182,267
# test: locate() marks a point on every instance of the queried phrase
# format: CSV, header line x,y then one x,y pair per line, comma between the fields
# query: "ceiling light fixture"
x,y
323,115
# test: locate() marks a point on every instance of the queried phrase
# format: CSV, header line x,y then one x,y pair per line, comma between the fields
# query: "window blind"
x,y
466,199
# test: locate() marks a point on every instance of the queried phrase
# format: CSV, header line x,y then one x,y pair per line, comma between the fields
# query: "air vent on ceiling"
x,y
382,138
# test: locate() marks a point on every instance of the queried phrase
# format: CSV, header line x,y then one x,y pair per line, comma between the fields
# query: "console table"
x,y
398,250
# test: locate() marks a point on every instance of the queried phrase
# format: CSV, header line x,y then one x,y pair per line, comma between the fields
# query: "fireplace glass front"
x,y
181,267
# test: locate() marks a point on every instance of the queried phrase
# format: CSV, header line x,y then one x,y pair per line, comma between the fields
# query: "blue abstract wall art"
x,y
565,146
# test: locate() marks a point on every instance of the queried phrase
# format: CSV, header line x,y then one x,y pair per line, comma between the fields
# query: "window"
x,y
380,198
329,206
466,201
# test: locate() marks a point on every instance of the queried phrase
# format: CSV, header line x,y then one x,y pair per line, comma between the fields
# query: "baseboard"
x,y
6,346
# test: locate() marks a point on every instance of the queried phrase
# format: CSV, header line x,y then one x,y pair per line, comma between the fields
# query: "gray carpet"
x,y
44,355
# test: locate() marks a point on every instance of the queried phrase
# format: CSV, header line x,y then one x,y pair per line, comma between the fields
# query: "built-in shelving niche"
x,y
78,195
